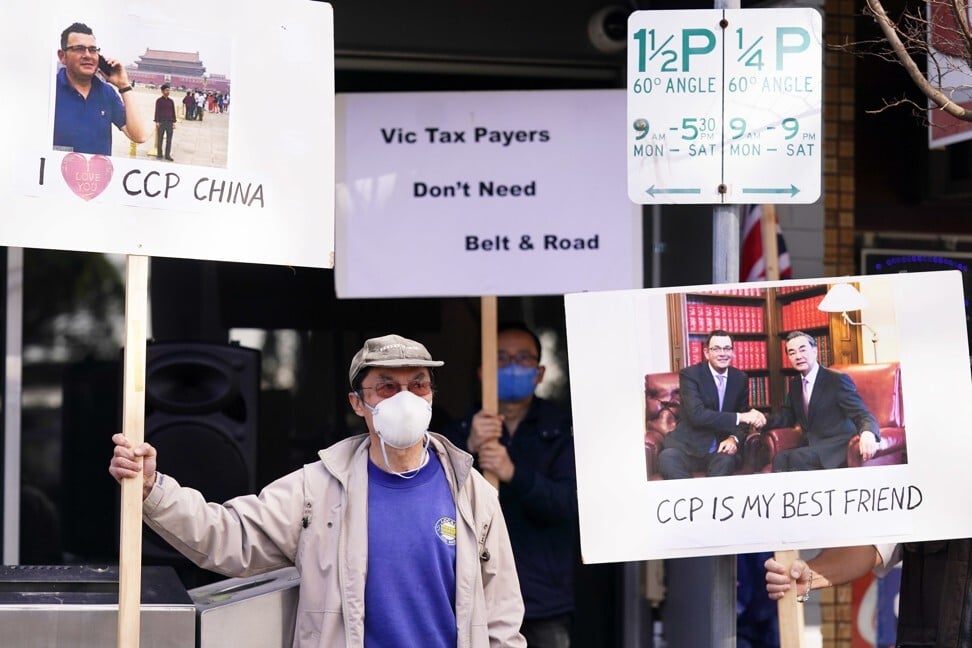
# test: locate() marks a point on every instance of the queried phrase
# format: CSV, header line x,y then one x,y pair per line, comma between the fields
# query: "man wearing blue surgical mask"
x,y
529,446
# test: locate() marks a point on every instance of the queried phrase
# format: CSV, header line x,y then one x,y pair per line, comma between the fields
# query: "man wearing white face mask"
x,y
398,540
529,446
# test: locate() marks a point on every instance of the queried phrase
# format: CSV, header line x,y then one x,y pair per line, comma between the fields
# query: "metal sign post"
x,y
724,108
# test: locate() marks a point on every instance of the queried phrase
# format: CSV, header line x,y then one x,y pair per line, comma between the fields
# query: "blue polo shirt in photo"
x,y
84,124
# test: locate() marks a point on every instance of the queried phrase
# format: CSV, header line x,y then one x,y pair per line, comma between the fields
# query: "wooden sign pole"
x,y
789,610
771,253
133,427
489,324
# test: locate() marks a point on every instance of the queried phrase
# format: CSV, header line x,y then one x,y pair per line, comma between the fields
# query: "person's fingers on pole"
x,y
778,582
487,423
490,455
145,450
123,464
485,427
123,452
798,569
776,590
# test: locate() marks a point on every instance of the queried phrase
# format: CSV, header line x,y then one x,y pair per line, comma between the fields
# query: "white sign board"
x,y
250,181
724,106
627,513
483,193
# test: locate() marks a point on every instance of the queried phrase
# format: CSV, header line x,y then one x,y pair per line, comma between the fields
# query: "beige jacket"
x,y
316,518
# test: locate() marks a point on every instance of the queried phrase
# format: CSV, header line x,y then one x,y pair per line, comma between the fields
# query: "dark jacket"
x,y
540,506
164,110
701,421
936,595
836,414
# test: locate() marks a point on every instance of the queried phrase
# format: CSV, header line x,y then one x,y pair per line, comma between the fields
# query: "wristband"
x,y
125,89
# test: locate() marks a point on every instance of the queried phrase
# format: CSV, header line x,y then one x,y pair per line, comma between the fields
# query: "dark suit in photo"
x,y
835,414
702,426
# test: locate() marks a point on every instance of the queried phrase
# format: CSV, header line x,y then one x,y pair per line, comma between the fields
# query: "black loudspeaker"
x,y
201,415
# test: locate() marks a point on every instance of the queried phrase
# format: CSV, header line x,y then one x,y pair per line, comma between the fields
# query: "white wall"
x,y
651,313
880,316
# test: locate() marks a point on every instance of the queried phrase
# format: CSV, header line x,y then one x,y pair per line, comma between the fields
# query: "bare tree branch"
x,y
961,17
918,110
908,39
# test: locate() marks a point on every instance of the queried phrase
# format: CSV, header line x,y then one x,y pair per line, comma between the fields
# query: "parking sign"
x,y
724,106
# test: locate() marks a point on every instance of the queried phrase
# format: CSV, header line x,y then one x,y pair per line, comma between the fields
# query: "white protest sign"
x,y
625,515
483,193
251,182
724,106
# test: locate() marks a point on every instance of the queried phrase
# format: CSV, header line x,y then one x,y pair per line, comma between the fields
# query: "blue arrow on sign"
x,y
792,190
651,191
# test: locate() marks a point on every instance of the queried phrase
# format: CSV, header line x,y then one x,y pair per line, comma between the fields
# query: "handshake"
x,y
753,417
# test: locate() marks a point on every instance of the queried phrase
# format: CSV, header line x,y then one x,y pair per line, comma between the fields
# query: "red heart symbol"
x,y
86,178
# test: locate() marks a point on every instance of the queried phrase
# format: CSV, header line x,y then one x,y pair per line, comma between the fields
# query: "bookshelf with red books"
x,y
742,313
797,311
758,320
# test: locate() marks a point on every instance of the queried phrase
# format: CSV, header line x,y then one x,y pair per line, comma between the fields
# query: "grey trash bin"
x,y
254,612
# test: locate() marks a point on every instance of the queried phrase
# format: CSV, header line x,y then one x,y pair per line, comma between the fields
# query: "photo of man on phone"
x,y
85,105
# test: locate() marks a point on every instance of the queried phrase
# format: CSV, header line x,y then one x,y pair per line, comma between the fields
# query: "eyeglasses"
x,y
81,49
523,359
717,349
389,389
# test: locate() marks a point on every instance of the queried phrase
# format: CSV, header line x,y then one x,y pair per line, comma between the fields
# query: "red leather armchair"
x,y
663,403
879,386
